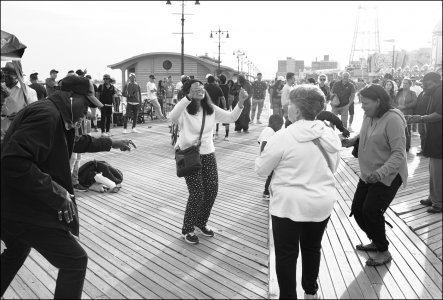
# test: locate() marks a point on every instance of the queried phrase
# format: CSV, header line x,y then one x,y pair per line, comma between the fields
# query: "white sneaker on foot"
x,y
226,139
125,131
135,130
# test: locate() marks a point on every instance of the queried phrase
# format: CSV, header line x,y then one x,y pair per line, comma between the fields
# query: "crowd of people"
x,y
45,135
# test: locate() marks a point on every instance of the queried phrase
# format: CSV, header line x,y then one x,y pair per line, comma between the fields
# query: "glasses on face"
x,y
106,78
322,79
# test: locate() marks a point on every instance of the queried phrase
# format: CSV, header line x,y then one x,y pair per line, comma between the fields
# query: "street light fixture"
x,y
182,67
240,54
219,32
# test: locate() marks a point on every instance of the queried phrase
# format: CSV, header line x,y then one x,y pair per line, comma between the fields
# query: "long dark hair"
x,y
205,103
392,91
374,92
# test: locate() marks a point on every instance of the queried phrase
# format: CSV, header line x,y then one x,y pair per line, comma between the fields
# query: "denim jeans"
x,y
343,111
435,181
58,246
288,235
255,103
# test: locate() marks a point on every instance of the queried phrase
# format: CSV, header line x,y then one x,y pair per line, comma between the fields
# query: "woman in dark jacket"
x,y
275,94
405,101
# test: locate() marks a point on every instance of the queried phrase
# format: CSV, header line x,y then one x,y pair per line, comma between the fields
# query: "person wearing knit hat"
x,y
431,119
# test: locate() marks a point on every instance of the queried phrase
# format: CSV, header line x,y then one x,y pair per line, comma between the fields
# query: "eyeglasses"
x,y
106,78
322,79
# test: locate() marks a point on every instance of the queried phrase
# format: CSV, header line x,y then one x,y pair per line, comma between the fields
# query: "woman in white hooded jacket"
x,y
304,157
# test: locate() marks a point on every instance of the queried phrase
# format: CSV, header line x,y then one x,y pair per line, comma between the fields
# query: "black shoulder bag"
x,y
188,160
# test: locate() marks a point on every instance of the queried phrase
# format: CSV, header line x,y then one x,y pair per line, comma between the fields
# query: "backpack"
x,y
87,172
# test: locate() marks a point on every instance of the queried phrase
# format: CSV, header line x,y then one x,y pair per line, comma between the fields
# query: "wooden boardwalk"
x,y
407,201
136,251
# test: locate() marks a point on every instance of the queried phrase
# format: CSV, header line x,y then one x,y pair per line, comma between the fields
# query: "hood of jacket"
x,y
306,131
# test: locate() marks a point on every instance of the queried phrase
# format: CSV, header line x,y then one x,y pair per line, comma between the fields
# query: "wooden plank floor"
x,y
133,238
136,251
407,201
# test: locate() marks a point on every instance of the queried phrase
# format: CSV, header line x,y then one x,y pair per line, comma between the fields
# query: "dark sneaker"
x,y
434,210
191,238
419,153
426,202
206,231
80,188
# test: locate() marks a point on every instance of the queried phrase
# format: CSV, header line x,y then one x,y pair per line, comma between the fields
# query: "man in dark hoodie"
x,y
38,209
430,117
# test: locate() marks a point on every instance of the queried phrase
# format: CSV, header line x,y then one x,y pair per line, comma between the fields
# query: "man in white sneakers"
x,y
151,88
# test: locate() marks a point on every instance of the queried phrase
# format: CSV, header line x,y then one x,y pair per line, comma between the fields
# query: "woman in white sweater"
x,y
304,157
203,184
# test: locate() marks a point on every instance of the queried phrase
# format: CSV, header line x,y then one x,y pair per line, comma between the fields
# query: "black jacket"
x,y
35,170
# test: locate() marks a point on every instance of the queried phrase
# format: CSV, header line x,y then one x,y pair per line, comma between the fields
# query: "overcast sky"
x,y
72,35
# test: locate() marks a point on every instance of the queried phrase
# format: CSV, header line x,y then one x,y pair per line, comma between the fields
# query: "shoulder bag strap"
x,y
203,126
323,151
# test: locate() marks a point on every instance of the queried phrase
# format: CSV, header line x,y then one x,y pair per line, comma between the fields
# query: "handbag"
x,y
335,101
188,160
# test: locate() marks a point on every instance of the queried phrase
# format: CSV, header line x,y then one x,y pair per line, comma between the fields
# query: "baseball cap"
x,y
259,74
207,75
53,71
281,78
107,76
33,76
152,76
82,86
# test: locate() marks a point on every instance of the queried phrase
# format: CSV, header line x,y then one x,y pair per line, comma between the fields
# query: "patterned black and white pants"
x,y
203,188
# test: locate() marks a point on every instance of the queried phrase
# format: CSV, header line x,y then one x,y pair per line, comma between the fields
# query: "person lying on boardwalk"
x,y
303,157
203,184
383,166
38,209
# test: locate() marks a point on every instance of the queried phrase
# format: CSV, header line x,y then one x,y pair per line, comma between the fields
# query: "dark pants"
x,y
117,104
268,182
58,246
203,188
131,112
106,112
287,237
370,203
422,132
162,106
408,133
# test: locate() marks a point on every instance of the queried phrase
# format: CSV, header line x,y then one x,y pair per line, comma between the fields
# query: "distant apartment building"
x,y
324,64
290,65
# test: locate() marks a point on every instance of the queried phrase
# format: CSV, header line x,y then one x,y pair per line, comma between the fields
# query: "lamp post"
x,y
393,54
182,67
240,54
219,32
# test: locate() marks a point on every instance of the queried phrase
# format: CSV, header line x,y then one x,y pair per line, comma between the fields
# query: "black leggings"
x,y
288,235
203,189
370,203
106,112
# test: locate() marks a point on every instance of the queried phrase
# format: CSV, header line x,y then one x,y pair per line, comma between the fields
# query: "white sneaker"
x,y
226,139
105,134
350,128
125,131
135,130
